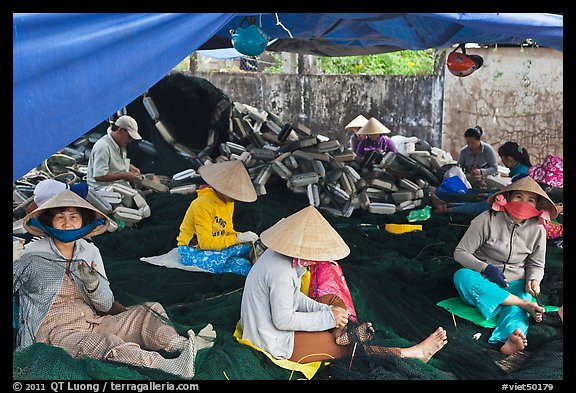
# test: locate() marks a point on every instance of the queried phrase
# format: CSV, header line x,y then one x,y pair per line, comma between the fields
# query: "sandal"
x,y
361,333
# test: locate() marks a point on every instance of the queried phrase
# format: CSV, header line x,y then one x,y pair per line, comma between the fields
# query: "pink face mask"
x,y
520,210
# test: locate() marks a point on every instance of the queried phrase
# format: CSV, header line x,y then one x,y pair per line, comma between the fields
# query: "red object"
x,y
461,64
328,278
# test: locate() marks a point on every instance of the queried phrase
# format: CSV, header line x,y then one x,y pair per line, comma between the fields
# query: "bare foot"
x,y
428,347
561,313
363,332
516,342
438,205
534,310
434,198
442,208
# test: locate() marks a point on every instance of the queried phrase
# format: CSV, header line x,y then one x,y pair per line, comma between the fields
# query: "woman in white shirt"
x,y
278,318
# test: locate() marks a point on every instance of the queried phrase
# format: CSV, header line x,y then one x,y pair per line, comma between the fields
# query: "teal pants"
x,y
487,297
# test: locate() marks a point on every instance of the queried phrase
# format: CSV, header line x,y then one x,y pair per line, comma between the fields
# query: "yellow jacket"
x,y
209,219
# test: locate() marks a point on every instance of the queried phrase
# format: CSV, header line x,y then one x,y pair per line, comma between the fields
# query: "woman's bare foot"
x,y
516,342
363,332
442,208
534,310
438,205
434,198
428,347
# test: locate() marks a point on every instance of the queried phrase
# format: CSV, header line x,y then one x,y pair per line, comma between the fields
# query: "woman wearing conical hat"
x,y
280,319
503,254
65,298
207,237
353,127
376,138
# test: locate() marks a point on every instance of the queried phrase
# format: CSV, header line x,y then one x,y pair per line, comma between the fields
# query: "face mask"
x,y
67,235
520,210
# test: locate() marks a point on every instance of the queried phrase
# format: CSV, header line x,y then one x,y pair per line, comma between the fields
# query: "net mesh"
x,y
395,282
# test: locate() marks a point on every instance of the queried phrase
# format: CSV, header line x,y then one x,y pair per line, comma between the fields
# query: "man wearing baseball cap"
x,y
108,163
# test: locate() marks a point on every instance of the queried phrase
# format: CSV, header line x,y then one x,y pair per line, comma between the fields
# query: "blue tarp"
x,y
337,34
72,71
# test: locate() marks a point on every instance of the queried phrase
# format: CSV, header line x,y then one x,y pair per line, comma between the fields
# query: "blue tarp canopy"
x,y
72,71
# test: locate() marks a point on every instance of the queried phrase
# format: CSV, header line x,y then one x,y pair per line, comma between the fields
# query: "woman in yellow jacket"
x,y
207,238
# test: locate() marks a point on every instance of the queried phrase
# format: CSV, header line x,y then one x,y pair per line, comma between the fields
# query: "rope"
x,y
278,23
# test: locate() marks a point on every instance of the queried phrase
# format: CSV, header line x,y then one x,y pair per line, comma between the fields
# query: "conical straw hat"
x,y
231,179
529,184
359,121
65,198
373,126
305,234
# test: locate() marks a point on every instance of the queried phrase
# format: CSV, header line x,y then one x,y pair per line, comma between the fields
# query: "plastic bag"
x,y
453,185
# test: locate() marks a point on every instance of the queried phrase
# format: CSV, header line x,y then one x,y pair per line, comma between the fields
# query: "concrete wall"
x,y
326,103
517,95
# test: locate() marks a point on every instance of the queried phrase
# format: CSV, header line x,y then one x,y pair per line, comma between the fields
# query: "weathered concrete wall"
x,y
517,95
410,106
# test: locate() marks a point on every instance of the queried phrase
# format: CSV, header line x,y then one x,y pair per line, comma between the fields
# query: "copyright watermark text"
x,y
527,386
100,387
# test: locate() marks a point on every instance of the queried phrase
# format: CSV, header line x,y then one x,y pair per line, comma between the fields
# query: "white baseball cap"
x,y
46,189
130,125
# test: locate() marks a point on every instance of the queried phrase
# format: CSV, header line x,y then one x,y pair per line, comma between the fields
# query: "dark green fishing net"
x,y
395,281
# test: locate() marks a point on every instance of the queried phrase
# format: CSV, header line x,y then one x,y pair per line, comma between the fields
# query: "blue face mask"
x,y
67,235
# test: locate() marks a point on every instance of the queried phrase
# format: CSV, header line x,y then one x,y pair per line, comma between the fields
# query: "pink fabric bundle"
x,y
328,278
554,230
551,172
